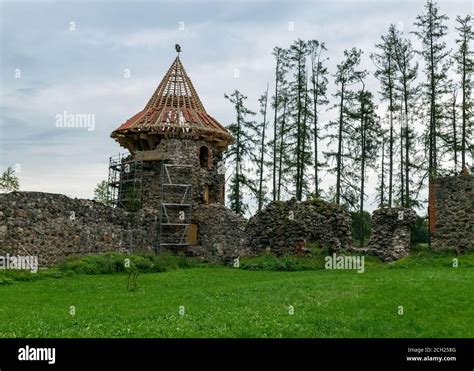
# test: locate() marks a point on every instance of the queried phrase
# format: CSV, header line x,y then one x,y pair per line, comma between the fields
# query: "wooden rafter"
x,y
174,110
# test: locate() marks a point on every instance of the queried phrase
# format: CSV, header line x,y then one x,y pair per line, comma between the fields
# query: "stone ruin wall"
x,y
391,233
454,208
285,227
221,233
54,227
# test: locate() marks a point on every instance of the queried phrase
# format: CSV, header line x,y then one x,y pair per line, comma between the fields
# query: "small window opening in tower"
x,y
204,156
222,194
205,194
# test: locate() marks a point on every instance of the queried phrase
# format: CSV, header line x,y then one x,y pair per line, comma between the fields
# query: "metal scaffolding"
x,y
175,207
125,181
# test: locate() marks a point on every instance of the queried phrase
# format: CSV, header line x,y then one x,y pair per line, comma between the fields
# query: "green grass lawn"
x,y
437,301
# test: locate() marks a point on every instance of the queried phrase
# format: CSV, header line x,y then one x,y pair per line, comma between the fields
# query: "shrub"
x,y
165,262
140,263
282,263
95,264
109,263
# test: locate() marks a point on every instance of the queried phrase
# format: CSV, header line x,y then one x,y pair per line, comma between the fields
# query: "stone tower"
x,y
175,154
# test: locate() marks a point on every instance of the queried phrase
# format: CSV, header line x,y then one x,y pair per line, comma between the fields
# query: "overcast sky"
x,y
107,57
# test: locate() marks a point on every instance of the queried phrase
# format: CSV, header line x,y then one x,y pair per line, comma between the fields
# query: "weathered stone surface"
x,y
287,226
221,233
184,152
54,227
454,213
391,233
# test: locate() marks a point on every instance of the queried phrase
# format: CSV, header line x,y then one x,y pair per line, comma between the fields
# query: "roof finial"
x,y
178,48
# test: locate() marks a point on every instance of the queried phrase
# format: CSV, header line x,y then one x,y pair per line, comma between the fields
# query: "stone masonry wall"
x,y
455,213
391,233
186,152
286,227
221,233
54,227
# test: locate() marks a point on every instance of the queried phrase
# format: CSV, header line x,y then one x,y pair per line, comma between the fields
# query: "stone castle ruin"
x,y
168,194
167,191
54,227
173,143
451,208
288,226
175,161
391,233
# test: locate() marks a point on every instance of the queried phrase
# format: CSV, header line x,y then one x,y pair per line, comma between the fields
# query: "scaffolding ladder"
x,y
175,207
125,181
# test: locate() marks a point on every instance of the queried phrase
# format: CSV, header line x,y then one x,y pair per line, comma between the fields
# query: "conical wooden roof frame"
x,y
173,111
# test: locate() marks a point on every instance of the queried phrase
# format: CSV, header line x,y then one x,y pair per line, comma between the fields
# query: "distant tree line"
x,y
289,149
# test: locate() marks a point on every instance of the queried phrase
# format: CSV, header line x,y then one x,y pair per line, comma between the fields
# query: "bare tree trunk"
x,y
455,138
275,120
407,148
339,149
315,80
382,183
280,164
402,167
303,141
298,139
362,172
464,113
262,152
390,155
